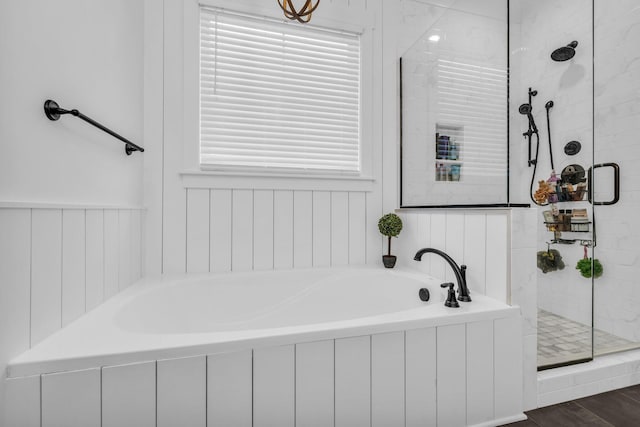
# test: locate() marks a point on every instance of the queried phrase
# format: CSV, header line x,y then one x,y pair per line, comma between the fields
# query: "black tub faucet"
x,y
460,272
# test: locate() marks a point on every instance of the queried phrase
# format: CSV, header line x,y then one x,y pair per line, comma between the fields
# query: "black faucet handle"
x,y
463,273
451,295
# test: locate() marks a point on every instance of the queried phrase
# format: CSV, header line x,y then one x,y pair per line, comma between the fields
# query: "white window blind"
x,y
278,95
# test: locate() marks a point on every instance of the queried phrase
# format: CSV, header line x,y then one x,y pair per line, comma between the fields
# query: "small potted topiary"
x,y
389,225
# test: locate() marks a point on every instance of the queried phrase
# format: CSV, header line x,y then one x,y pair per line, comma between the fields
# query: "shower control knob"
x,y
424,294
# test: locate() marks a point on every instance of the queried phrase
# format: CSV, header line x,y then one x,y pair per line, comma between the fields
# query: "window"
x,y
278,95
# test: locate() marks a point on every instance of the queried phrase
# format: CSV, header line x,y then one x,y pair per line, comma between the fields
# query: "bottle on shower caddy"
x,y
554,183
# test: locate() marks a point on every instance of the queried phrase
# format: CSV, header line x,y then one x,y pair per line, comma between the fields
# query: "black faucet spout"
x,y
460,273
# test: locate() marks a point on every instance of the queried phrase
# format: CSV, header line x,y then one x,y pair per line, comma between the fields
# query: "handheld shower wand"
x,y
525,109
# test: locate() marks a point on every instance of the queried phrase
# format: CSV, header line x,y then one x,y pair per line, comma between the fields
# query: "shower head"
x,y
525,109
565,53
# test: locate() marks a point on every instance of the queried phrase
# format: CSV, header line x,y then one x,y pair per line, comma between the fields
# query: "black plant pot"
x,y
389,261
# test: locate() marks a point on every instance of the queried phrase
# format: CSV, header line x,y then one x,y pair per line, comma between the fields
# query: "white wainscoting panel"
x,y
111,256
135,238
56,263
421,374
263,226
15,292
302,229
477,239
439,267
451,363
129,395
321,228
353,382
198,205
220,240
46,273
339,228
124,249
242,231
448,375
266,229
274,387
497,257
480,372
230,389
71,399
315,384
358,228
454,237
387,379
283,230
94,258
181,392
475,230
73,265
22,405
508,366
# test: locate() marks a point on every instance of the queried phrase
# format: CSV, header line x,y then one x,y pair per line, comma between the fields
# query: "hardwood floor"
x,y
618,408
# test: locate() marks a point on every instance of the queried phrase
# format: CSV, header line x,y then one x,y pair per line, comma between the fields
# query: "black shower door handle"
x,y
616,183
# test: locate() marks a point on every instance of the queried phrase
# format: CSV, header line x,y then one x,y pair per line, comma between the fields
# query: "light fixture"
x,y
303,15
434,38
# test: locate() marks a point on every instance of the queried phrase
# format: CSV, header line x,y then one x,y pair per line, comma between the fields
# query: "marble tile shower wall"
x,y
617,108
538,28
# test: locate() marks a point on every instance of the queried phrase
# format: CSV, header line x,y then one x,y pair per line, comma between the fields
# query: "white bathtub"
x,y
208,317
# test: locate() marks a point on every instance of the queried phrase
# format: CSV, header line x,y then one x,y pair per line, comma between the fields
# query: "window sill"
x,y
275,181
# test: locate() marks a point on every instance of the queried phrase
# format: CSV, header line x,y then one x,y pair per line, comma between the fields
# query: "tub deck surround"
x,y
186,315
350,346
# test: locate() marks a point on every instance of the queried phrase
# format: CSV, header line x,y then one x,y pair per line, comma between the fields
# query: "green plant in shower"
x,y
550,260
390,225
586,270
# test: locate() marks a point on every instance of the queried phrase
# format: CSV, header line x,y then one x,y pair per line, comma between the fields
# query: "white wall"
x,y
84,55
62,251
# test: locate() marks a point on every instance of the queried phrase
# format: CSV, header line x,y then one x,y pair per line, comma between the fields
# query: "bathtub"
x,y
350,346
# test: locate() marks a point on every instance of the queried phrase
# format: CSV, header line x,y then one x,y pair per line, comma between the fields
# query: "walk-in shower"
x,y
582,313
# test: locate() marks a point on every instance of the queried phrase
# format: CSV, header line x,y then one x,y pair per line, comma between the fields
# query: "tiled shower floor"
x,y
562,340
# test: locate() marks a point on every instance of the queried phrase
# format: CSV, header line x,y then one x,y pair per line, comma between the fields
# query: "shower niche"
x,y
449,143
454,111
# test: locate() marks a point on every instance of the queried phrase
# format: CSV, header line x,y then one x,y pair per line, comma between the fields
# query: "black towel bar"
x,y
53,112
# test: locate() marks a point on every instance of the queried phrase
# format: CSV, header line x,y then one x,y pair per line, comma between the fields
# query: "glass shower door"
x,y
617,104
551,93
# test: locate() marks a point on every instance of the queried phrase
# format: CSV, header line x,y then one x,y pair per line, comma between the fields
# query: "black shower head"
x,y
565,53
525,109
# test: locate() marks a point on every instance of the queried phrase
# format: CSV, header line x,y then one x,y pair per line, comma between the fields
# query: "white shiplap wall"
x,y
58,263
242,230
457,374
478,239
